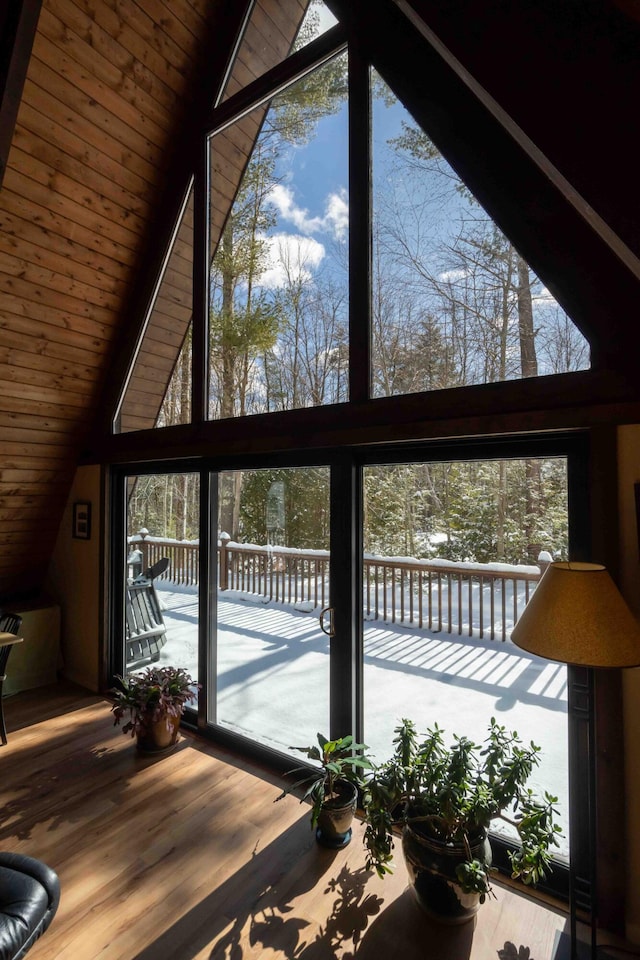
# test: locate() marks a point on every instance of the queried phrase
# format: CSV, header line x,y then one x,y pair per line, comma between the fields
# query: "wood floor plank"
x,y
186,856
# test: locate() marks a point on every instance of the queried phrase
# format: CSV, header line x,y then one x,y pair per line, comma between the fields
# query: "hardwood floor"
x,y
186,857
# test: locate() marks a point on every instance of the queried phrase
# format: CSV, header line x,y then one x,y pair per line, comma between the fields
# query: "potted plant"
x,y
154,701
332,787
444,799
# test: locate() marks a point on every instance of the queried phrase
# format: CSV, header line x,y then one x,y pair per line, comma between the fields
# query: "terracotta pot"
x,y
334,822
431,865
159,736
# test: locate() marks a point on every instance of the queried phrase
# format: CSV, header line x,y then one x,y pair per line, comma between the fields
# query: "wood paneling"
x,y
18,21
166,329
105,91
267,40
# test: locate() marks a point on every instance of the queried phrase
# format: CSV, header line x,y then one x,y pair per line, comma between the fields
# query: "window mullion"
x,y
359,227
345,664
200,352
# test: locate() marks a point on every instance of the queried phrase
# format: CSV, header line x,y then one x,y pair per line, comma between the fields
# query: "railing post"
x,y
544,559
144,546
224,561
134,563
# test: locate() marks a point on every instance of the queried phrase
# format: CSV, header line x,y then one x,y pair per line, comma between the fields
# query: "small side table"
x,y
7,641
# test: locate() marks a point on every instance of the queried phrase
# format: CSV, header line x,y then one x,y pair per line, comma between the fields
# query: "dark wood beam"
x,y
562,402
18,22
568,74
585,264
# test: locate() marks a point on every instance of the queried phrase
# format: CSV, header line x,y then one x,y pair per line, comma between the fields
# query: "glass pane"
x,y
278,279
452,552
176,404
272,657
162,607
159,389
275,29
454,303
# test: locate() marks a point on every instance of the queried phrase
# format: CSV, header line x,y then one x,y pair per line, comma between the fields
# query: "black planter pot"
x,y
432,865
336,817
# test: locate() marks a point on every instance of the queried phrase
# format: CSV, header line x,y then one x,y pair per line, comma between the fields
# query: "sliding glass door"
x,y
451,552
161,564
344,596
269,652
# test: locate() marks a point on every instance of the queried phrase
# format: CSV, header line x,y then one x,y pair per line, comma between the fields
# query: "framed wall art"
x,y
81,520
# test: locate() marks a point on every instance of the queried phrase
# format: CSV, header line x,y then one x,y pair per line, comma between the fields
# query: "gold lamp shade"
x,y
577,615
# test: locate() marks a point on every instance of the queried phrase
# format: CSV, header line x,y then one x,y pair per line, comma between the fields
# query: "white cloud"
x,y
337,213
290,257
282,199
336,216
452,276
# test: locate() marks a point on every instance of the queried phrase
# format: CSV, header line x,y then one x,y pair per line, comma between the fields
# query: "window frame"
x,y
413,417
346,665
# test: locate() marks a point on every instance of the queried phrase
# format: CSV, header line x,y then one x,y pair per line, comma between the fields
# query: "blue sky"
x,y
312,197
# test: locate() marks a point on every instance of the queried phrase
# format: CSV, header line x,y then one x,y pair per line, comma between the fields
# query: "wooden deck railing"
x,y
456,598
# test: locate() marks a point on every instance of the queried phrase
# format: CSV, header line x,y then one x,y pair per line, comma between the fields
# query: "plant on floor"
x,y
154,694
450,795
332,787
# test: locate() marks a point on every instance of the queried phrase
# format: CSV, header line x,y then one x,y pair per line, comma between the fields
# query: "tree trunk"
x,y
528,357
529,364
228,356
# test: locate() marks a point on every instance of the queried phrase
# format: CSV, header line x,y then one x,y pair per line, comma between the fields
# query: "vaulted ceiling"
x,y
98,99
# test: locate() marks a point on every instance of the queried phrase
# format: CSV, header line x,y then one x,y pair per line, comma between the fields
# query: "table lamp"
x,y
577,616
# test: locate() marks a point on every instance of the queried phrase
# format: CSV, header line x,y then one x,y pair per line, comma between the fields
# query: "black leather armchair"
x,y
29,897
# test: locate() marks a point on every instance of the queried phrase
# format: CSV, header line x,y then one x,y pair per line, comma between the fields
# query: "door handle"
x,y
330,632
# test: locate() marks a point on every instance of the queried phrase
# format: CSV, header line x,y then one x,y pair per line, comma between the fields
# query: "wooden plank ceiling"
x,y
105,92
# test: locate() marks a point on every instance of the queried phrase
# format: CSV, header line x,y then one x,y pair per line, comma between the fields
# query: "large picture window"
x,y
454,302
330,268
427,292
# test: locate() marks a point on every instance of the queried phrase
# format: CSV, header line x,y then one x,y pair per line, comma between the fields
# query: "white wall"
x,y
74,579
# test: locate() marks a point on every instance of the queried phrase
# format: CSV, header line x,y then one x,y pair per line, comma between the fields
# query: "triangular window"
x,y
454,303
451,303
158,392
271,33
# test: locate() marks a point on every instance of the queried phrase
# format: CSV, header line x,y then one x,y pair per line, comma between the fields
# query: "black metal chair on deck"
x,y
9,623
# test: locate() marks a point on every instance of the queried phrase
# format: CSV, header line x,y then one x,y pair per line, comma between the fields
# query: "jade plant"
x,y
340,760
452,794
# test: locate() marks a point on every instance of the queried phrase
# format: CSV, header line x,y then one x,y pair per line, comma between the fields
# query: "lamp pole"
x,y
577,616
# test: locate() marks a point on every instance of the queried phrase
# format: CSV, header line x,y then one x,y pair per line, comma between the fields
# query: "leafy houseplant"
x,y
331,787
445,798
154,701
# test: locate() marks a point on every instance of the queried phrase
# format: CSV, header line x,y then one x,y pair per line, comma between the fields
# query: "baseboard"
x,y
562,950
80,680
